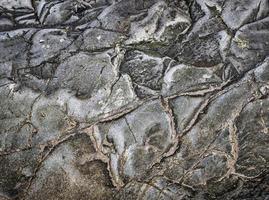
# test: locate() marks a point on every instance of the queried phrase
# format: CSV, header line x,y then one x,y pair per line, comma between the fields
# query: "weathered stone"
x,y
47,44
139,140
250,45
75,169
97,39
134,99
237,13
145,70
184,78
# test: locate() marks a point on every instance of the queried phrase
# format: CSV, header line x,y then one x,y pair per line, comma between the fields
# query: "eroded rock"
x,y
134,99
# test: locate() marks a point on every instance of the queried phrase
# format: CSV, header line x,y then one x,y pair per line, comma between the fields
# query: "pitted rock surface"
x,y
134,99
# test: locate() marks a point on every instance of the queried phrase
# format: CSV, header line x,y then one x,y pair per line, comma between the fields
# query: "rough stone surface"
x,y
134,99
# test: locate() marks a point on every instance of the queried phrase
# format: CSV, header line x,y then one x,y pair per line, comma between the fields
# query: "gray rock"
x,y
250,45
47,44
134,99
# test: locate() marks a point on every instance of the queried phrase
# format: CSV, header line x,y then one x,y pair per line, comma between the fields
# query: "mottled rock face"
x,y
134,99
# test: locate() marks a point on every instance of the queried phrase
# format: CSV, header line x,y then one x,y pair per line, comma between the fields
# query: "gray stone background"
x,y
134,99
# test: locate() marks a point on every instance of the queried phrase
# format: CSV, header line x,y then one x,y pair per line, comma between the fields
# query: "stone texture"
x,y
134,99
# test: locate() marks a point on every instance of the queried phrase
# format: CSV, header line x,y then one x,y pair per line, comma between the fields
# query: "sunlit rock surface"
x,y
134,99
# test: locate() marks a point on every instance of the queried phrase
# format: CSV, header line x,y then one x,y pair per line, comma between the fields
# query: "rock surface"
x,y
134,99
